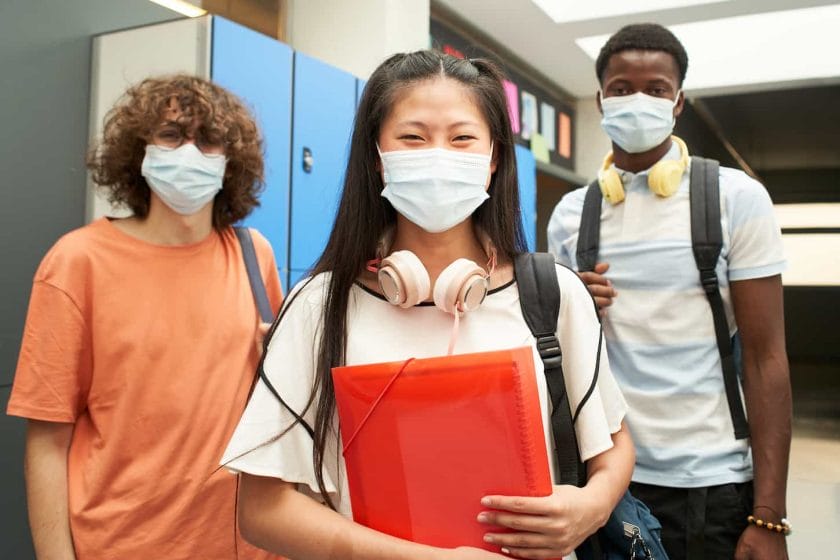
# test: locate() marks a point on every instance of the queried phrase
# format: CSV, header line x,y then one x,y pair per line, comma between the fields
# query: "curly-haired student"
x,y
139,345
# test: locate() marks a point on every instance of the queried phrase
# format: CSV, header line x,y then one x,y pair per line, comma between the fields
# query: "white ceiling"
x,y
550,48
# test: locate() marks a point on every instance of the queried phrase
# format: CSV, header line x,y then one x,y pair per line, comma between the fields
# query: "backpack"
x,y
706,243
631,530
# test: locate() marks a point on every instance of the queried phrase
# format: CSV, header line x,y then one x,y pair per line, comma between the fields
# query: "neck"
x,y
438,250
641,161
164,226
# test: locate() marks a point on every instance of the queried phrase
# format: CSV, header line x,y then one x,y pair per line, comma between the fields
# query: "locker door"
x,y
360,87
324,103
259,70
526,167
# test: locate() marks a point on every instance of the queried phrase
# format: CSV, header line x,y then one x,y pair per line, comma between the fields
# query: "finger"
x,y
603,302
601,291
590,278
518,522
518,504
519,540
536,552
601,267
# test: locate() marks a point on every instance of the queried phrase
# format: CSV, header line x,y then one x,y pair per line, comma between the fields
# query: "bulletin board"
x,y
542,122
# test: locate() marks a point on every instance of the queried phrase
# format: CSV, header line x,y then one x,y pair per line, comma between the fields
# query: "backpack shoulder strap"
x,y
539,297
706,243
249,255
589,234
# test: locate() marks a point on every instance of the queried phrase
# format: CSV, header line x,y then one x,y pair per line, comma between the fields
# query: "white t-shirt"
x,y
660,330
381,332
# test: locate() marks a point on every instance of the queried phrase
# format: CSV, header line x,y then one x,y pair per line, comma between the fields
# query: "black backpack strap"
x,y
707,242
589,234
249,255
539,297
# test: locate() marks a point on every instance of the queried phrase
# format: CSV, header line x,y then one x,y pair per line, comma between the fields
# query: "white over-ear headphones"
x,y
462,285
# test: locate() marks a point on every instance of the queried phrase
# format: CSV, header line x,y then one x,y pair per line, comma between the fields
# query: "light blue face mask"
x,y
184,178
639,122
436,189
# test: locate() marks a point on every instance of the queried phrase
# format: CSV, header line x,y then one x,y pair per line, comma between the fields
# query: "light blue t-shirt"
x,y
659,330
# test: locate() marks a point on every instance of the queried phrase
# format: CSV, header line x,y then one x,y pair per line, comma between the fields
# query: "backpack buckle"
x,y
709,280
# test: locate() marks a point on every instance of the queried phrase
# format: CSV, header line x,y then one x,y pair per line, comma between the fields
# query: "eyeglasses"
x,y
174,135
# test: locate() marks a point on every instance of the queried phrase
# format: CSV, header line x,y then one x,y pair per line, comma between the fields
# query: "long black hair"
x,y
364,215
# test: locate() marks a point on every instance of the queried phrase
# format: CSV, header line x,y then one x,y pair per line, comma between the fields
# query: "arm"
x,y
555,525
275,517
45,467
759,314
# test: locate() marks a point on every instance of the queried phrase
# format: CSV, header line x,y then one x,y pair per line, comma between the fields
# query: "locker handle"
x,y
308,160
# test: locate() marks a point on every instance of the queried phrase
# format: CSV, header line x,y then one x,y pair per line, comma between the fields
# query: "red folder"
x,y
426,439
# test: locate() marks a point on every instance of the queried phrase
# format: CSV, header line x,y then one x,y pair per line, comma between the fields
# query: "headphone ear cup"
x,y
461,286
664,177
403,279
611,187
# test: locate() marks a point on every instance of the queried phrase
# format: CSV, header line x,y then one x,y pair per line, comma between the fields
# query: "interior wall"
x,y
330,30
44,102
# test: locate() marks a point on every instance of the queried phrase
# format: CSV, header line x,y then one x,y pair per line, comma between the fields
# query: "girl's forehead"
x,y
438,95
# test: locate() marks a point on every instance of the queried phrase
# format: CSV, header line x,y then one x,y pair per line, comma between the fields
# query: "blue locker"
x,y
259,70
526,171
324,104
360,87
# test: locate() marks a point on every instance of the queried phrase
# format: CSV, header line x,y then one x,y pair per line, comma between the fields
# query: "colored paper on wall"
x,y
547,120
529,115
564,145
539,148
512,93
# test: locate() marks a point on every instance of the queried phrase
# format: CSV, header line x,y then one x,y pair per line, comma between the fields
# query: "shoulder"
x,y
571,284
744,197
738,186
261,244
311,291
72,255
572,201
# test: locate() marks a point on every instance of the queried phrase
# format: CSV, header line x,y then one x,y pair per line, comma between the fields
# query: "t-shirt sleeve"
x,y
563,227
268,268
755,247
54,365
586,368
268,441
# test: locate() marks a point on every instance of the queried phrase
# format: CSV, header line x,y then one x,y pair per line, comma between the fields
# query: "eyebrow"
x,y
421,124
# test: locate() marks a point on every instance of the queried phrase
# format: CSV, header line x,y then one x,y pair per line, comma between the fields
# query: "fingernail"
x,y
505,550
483,517
486,501
488,538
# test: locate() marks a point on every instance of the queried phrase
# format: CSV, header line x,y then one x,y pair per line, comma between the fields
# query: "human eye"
x,y
167,136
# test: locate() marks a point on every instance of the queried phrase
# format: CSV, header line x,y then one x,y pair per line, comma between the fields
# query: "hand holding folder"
x,y
426,439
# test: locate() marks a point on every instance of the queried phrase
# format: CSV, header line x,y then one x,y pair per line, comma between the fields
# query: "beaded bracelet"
x,y
782,527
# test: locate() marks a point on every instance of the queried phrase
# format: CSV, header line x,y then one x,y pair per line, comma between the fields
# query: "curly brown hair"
x,y
115,162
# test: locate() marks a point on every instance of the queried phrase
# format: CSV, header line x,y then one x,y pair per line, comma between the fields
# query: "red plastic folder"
x,y
426,439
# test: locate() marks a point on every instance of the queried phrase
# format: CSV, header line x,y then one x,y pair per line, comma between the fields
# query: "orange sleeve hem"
x,y
44,414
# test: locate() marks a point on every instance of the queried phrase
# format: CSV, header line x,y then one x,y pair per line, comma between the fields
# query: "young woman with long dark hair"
x,y
431,171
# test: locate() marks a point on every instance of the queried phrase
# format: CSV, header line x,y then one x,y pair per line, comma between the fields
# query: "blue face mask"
x,y
639,122
184,178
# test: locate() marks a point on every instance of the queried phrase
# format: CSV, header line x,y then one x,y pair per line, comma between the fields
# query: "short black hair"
x,y
642,37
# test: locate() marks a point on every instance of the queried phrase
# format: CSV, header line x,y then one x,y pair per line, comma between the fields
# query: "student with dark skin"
x,y
646,58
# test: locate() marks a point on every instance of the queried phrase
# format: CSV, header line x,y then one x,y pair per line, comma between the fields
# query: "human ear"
x,y
680,103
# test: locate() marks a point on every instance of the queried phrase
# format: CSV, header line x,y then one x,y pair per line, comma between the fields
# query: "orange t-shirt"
x,y
150,351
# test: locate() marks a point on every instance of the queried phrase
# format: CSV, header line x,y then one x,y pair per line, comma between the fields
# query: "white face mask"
x,y
638,122
436,189
184,178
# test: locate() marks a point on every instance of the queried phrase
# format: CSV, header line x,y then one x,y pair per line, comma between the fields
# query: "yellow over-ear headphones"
x,y
663,178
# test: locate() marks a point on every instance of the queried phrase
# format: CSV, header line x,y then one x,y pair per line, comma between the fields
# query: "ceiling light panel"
x,y
765,48
563,11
